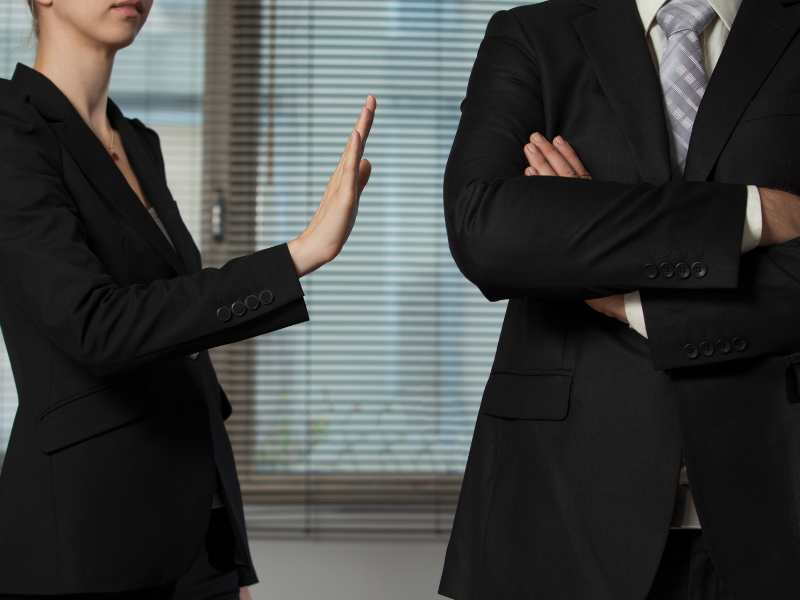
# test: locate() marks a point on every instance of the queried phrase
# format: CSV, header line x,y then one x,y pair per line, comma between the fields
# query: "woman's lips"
x,y
129,10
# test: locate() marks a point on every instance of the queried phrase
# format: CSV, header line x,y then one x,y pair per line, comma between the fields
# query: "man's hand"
x,y
244,594
781,216
559,159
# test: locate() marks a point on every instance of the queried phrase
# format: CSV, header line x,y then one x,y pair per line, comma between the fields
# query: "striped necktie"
x,y
682,69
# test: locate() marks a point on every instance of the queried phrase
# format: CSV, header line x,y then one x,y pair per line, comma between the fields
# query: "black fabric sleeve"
x,y
51,275
702,327
564,238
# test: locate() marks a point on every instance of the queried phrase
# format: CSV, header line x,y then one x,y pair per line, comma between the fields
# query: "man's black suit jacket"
x,y
572,472
119,434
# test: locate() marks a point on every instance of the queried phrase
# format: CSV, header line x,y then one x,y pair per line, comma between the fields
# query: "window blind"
x,y
357,423
159,79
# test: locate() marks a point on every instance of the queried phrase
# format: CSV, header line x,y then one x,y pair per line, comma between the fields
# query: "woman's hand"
x,y
559,159
330,227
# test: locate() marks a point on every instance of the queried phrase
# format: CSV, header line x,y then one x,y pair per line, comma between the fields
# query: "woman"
x,y
118,450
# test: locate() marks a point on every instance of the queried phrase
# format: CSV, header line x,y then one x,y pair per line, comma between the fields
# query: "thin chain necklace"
x,y
110,148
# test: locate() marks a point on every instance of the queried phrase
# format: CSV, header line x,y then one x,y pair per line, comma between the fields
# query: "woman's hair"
x,y
32,6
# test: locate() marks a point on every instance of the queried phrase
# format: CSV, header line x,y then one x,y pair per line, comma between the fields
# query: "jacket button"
x,y
238,308
194,356
266,297
691,351
224,314
700,269
723,345
667,269
706,348
252,302
739,344
651,271
683,270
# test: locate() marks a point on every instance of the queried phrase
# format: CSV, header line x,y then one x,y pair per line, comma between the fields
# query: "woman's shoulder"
x,y
23,131
15,110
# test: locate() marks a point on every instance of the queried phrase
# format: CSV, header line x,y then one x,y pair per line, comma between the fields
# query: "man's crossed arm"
x,y
772,217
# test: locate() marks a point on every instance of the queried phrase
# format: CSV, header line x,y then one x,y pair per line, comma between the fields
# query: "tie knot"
x,y
685,15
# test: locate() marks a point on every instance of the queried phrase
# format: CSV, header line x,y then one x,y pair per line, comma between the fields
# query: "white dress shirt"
x,y
713,39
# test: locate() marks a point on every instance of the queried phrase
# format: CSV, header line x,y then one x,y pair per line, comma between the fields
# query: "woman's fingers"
x,y
354,149
366,118
364,172
568,152
352,157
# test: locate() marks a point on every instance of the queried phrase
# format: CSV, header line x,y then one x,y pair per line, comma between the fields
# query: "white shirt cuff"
x,y
753,222
634,312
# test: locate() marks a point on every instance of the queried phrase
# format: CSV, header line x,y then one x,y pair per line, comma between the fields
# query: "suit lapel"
x,y
760,34
100,170
615,41
154,184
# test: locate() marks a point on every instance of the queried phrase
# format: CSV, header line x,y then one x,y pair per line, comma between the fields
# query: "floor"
x,y
347,570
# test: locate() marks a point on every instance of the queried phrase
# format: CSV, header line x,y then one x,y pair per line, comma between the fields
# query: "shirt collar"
x,y
725,9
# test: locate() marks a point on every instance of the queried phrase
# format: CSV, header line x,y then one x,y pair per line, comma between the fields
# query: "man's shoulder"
x,y
553,9
543,16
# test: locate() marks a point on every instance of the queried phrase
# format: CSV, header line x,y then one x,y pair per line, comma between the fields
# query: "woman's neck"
x,y
82,74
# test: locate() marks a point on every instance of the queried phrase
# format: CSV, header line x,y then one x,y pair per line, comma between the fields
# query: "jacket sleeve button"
x,y
266,297
224,314
252,302
683,270
651,271
667,270
723,346
700,269
739,344
238,308
706,348
691,351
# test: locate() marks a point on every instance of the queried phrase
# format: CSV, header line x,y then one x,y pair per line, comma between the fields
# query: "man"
x,y
663,199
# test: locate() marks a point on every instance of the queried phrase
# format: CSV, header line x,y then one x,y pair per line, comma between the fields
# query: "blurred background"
x,y
351,432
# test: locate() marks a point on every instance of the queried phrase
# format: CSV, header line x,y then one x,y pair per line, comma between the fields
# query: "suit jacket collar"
x,y
726,10
614,40
104,175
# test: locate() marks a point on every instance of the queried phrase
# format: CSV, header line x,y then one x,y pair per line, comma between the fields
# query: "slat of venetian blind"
x,y
160,80
358,423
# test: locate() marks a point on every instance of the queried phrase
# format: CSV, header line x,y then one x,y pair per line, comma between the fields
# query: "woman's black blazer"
x,y
112,460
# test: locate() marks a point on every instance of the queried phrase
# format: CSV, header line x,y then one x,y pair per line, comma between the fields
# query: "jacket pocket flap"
x,y
88,415
539,396
773,106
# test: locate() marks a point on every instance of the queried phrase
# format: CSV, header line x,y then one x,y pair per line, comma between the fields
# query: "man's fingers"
x,y
568,152
538,161
558,163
